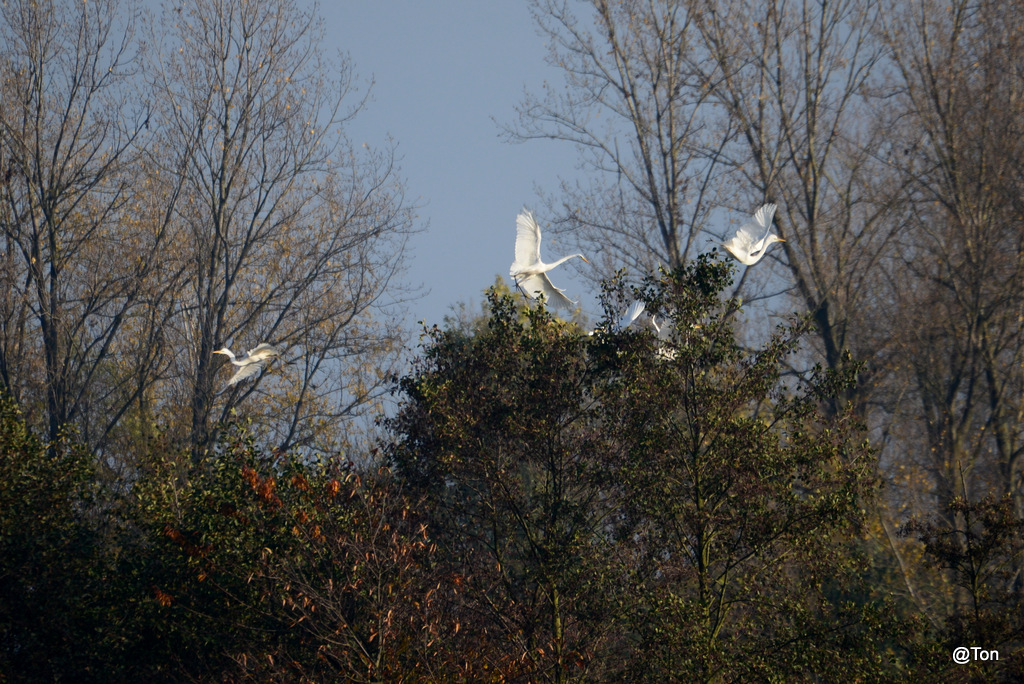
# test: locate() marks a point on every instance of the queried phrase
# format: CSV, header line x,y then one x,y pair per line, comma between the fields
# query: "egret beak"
x,y
779,240
584,258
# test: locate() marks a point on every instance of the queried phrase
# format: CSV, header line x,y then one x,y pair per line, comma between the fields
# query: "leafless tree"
x,y
681,109
231,210
285,233
792,77
958,273
78,264
637,108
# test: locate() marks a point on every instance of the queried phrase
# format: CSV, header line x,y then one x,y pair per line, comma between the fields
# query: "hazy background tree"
x,y
957,274
285,233
981,560
952,402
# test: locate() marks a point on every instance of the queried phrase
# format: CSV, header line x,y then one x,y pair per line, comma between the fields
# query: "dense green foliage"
x,y
553,506
52,559
624,506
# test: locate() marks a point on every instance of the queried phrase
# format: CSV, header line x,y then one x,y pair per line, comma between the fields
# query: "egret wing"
x,y
262,351
634,310
762,224
539,283
527,242
764,216
744,239
244,372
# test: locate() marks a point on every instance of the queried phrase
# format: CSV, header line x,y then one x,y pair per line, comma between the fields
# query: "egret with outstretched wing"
x,y
632,313
528,271
252,363
752,239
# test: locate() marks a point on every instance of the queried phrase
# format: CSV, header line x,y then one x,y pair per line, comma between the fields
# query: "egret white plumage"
x,y
753,238
528,271
252,363
631,314
663,352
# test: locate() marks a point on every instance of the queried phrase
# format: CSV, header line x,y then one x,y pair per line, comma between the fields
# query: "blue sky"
x,y
446,74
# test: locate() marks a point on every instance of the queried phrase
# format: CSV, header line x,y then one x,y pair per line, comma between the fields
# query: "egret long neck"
x,y
564,259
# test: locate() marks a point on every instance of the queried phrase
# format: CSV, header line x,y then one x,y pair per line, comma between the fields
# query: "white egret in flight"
x,y
528,271
752,239
250,364
632,313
